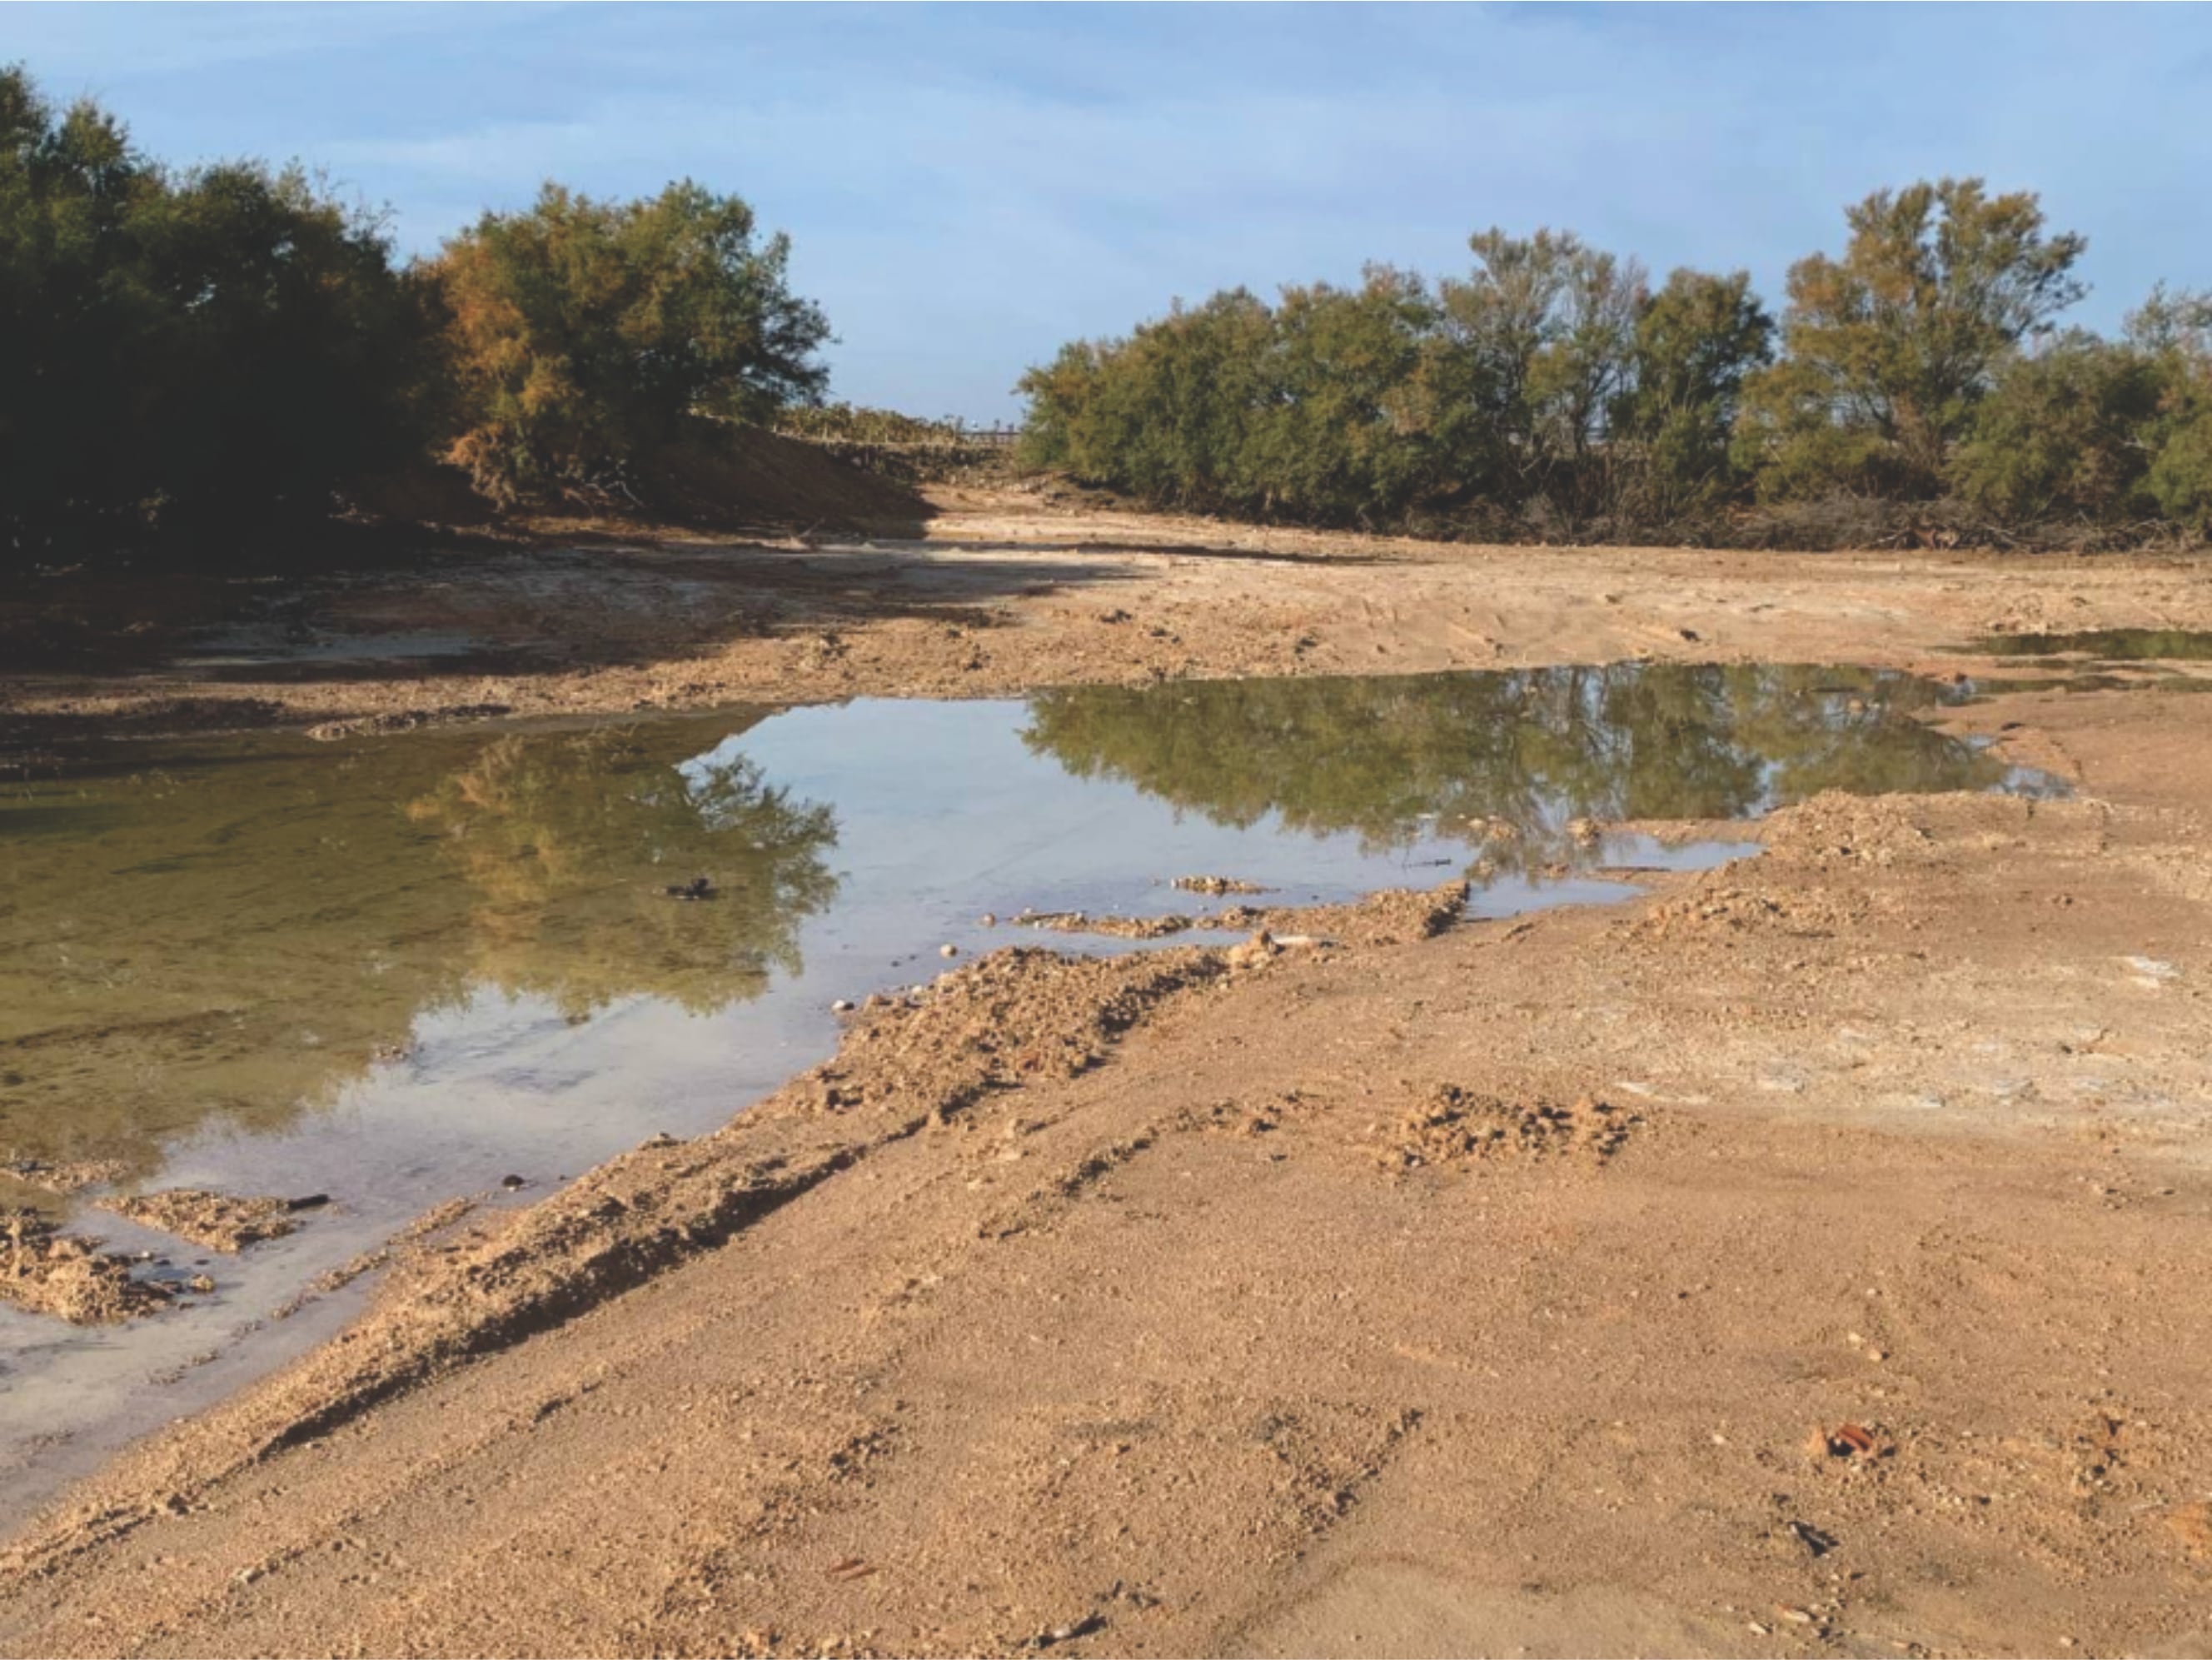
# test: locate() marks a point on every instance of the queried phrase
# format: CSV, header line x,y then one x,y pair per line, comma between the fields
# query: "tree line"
x,y
191,350
1920,380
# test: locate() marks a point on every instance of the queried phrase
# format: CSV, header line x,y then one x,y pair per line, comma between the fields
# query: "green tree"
x,y
1538,347
1168,413
1696,341
1888,349
2062,436
2176,329
200,346
1344,433
581,334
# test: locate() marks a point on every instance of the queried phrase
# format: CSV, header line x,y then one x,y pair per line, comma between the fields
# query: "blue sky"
x,y
966,187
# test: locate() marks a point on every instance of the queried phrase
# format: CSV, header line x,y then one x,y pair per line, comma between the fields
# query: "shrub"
x,y
2060,435
185,347
1551,386
1889,349
578,334
1696,341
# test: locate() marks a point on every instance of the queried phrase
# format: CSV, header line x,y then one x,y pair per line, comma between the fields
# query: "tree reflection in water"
x,y
1388,758
568,875
229,931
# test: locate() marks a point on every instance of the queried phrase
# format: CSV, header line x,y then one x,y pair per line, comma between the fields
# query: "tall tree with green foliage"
x,y
581,332
1697,340
1539,348
1168,413
1888,351
2174,328
201,346
1345,430
2061,435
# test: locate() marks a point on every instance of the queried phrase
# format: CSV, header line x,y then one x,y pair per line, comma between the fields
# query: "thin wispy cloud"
x,y
967,186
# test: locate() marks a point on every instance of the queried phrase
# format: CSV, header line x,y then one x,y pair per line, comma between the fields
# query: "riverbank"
x,y
1799,1259
1003,590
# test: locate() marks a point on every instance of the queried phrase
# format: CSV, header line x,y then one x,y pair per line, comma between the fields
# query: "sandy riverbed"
x,y
1007,592
1804,1258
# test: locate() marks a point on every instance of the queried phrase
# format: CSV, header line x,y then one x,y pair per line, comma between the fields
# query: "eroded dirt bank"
x,y
1007,594
1806,1258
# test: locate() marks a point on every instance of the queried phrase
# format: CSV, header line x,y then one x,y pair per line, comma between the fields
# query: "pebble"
x,y
989,919
948,950
842,1005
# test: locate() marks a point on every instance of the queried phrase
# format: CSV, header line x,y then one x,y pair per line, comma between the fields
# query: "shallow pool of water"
x,y
398,970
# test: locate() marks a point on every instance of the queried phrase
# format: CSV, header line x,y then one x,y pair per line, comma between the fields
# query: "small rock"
x,y
948,950
989,919
511,1183
842,1005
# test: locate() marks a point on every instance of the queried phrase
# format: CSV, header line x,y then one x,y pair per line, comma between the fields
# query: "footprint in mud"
x,y
1458,1127
1258,1118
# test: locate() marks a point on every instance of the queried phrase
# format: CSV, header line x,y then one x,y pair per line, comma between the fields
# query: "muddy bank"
x,y
1383,919
219,1221
1802,1260
68,1276
1004,593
